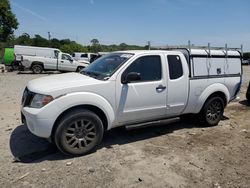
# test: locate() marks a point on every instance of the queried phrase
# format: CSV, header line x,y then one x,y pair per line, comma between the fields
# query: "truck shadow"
x,y
245,103
27,148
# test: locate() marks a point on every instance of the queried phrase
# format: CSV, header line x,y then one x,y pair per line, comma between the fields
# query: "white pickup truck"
x,y
60,61
127,88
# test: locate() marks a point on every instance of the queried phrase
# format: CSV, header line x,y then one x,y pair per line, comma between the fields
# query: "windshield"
x,y
105,66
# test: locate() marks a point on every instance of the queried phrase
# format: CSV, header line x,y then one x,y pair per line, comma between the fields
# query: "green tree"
x,y
40,41
95,47
65,41
246,55
123,46
55,43
8,21
94,42
24,39
73,47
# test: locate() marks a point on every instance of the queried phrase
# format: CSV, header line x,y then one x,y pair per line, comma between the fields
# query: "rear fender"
x,y
210,90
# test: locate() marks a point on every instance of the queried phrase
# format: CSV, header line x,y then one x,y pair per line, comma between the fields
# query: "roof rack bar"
x,y
193,47
226,49
209,50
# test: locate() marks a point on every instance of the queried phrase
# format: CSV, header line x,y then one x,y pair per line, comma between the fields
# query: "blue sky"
x,y
162,22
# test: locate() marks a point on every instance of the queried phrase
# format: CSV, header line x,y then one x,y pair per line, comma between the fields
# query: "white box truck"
x,y
63,62
128,88
40,59
20,51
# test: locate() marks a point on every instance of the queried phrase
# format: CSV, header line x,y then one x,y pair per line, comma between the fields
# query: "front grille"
x,y
27,97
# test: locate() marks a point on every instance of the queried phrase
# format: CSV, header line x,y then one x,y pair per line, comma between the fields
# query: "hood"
x,y
82,62
50,84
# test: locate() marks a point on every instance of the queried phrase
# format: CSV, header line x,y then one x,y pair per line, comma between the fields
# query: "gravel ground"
x,y
163,155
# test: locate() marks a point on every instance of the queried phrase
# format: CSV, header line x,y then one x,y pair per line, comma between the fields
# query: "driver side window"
x,y
149,68
66,57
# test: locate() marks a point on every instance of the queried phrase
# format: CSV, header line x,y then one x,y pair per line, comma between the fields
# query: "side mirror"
x,y
131,77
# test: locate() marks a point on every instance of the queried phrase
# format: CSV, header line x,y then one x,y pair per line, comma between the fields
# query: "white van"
x,y
20,51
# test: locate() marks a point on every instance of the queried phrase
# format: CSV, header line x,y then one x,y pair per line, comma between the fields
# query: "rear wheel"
x,y
37,69
15,65
79,132
212,111
79,69
248,93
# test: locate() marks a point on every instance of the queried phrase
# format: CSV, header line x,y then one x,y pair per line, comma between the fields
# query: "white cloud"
x,y
29,11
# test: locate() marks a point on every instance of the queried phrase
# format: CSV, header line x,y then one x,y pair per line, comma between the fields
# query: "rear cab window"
x,y
174,66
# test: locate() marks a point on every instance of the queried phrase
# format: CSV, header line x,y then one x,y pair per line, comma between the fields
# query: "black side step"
x,y
152,123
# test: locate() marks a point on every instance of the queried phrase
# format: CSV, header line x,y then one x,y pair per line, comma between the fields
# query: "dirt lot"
x,y
165,155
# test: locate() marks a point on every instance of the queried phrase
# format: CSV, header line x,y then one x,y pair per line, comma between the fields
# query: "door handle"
x,y
62,61
160,87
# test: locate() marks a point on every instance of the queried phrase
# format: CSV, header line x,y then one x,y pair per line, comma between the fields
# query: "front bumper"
x,y
41,127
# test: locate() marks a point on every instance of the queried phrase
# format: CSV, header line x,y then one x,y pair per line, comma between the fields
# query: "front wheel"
x,y
212,111
79,132
37,69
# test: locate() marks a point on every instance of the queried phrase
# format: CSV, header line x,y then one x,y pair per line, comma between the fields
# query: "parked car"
x,y
61,62
90,57
248,93
246,62
127,88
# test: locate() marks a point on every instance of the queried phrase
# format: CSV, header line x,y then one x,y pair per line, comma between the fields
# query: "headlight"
x,y
39,100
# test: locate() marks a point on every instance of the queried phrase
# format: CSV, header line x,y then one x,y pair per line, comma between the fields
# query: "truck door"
x,y
65,63
144,99
178,83
51,60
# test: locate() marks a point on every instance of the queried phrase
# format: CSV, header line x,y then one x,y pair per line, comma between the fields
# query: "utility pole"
x,y
49,36
149,45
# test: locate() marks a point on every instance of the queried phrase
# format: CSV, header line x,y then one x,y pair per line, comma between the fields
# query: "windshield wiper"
x,y
91,74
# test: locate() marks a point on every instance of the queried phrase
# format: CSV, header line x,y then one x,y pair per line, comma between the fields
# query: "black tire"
x,y
248,93
79,69
15,66
79,132
212,111
37,68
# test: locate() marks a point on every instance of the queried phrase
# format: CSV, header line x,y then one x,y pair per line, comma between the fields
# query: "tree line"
x,y
69,46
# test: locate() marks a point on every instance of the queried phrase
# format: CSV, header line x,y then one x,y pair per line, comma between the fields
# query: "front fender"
x,y
61,104
86,98
208,91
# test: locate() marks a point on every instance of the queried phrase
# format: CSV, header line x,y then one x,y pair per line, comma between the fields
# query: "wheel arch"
x,y
80,67
37,63
212,91
99,112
